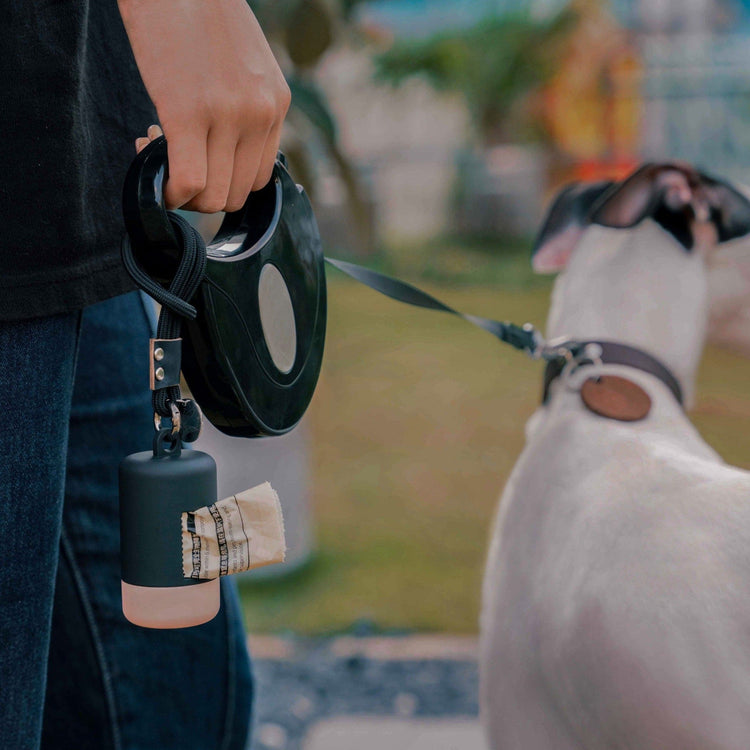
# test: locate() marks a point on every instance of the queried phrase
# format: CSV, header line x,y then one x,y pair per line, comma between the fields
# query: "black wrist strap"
x,y
174,301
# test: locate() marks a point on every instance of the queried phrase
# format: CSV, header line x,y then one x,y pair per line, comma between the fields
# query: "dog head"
x,y
634,257
699,211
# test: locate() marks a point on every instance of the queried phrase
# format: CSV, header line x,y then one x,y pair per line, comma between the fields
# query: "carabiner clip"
x,y
176,419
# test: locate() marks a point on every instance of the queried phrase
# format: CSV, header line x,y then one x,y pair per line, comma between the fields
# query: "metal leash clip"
x,y
587,355
176,419
558,348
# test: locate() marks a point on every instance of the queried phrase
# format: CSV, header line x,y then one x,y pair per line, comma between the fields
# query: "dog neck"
x,y
638,287
612,353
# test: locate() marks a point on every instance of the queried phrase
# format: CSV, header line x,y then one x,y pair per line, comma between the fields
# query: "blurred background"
x,y
430,135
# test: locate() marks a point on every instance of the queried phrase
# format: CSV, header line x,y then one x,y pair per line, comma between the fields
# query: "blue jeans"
x,y
73,672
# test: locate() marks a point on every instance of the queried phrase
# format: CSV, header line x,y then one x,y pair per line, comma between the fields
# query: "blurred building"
x,y
419,17
696,85
681,16
645,79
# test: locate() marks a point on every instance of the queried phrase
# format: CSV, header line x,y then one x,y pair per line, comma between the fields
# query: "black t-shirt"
x,y
71,105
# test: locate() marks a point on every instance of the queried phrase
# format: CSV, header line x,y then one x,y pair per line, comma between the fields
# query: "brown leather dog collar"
x,y
613,353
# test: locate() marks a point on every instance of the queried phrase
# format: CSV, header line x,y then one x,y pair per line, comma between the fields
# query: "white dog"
x,y
616,603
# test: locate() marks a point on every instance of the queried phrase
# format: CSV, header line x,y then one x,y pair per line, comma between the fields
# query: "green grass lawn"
x,y
416,423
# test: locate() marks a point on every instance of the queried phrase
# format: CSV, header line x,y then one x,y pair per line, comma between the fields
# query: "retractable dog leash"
x,y
244,319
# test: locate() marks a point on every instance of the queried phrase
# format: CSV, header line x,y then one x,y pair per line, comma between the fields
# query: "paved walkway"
x,y
349,693
366,733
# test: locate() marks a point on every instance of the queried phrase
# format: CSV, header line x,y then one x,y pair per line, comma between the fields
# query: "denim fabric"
x,y
109,684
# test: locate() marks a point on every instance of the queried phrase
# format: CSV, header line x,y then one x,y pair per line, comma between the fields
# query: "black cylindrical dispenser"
x,y
156,488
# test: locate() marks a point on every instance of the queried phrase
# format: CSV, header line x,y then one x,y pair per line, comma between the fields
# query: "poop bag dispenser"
x,y
156,488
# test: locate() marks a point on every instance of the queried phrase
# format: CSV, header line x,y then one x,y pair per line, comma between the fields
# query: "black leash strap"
x,y
524,338
175,300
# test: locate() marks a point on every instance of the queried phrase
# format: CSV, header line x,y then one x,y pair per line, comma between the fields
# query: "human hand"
x,y
219,94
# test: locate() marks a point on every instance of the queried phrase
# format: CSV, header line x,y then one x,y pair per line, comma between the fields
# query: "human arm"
x,y
219,95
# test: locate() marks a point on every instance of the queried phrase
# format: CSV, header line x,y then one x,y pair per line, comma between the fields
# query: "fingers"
x,y
214,70
188,168
218,174
154,131
267,161
221,146
247,159
253,168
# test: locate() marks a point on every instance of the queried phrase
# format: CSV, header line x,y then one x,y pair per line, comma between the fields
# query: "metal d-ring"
x,y
590,356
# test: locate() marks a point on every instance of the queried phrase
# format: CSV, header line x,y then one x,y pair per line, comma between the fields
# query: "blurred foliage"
x,y
302,32
497,66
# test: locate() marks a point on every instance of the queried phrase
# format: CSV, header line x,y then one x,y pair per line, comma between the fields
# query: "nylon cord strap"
x,y
175,300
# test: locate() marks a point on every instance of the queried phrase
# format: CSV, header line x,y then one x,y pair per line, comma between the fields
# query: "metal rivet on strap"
x,y
159,354
159,374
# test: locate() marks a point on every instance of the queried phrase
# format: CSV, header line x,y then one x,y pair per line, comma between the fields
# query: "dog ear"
x,y
669,193
567,220
729,267
679,198
729,207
